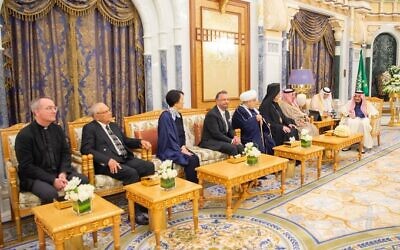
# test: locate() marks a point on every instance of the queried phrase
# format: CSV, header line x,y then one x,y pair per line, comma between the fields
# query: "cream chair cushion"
x,y
106,182
26,199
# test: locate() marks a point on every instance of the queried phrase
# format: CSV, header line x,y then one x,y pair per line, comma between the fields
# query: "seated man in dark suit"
x,y
110,149
43,154
218,133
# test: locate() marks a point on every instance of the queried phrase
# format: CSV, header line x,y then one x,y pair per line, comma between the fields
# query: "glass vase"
x,y
251,160
82,207
167,184
305,144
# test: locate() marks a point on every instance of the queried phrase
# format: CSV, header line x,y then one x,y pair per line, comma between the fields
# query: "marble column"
x,y
164,77
336,73
285,58
148,81
178,66
350,73
261,52
368,56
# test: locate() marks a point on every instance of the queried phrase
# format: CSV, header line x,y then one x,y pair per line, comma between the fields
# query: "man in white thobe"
x,y
357,112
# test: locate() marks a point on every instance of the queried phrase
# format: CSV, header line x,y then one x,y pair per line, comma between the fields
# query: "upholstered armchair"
x,y
104,185
21,202
376,119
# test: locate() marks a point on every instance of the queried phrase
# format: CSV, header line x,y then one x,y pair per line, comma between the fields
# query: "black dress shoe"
x,y
140,219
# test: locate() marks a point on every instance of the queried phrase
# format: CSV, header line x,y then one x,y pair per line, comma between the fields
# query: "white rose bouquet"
x,y
305,138
76,191
166,171
252,153
80,194
167,175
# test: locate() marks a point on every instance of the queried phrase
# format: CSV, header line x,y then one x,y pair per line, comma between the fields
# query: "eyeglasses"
x,y
51,108
103,112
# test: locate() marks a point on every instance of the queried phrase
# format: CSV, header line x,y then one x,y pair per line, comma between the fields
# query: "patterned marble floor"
x,y
358,207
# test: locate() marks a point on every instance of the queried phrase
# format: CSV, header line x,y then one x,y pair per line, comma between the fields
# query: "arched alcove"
x,y
384,55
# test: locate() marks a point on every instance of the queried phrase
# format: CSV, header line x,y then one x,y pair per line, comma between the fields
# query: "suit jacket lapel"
x,y
104,135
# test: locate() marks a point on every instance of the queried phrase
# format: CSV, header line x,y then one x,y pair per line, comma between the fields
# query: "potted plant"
x,y
305,138
392,83
252,153
167,175
81,195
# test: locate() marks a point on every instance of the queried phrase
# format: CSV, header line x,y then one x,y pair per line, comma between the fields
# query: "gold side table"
x,y
157,200
335,143
301,154
240,174
64,224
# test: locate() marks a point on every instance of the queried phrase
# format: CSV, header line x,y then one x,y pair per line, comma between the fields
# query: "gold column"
x,y
73,65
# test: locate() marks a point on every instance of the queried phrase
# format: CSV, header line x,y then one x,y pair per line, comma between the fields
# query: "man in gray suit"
x,y
218,133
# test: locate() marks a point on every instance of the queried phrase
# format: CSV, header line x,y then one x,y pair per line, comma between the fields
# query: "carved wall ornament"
x,y
275,15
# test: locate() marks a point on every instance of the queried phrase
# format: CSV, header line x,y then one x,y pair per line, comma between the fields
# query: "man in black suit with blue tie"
x,y
218,133
110,149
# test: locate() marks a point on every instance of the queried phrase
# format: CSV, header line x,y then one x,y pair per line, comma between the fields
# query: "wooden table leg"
x,y
94,235
131,208
196,211
360,148
42,243
157,216
303,166
319,164
116,231
228,201
201,199
335,159
283,176
59,243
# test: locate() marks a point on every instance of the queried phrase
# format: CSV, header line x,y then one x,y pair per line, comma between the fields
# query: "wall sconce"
x,y
302,81
223,48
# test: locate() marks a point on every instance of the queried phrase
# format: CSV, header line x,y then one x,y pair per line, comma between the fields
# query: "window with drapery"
x,y
77,52
312,46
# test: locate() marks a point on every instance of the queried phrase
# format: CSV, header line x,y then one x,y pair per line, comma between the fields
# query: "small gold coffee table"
x,y
63,224
157,200
240,174
336,144
301,154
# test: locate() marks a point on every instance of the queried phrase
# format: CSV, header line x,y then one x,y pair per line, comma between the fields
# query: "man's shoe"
x,y
141,219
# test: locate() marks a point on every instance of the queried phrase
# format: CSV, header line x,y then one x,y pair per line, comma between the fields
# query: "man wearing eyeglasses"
x,y
43,154
110,149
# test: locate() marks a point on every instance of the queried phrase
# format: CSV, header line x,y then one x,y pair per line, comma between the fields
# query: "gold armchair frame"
x,y
12,176
376,119
87,160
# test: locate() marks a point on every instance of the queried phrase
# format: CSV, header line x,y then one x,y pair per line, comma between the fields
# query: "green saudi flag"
x,y
361,83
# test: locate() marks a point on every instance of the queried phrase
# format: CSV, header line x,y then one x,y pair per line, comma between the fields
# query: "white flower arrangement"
x,y
76,191
391,83
305,136
251,150
166,171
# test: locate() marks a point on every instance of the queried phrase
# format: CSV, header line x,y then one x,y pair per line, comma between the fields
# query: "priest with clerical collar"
x,y
357,112
322,101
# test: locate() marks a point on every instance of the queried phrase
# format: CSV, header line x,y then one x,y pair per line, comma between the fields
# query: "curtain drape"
x,y
312,46
75,52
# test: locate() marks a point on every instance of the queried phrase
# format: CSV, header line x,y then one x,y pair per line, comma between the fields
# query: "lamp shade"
x,y
301,76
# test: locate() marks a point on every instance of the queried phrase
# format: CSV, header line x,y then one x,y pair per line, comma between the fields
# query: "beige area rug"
x,y
358,203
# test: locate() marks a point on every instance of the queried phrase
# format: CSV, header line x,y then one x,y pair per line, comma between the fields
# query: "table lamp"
x,y
302,81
